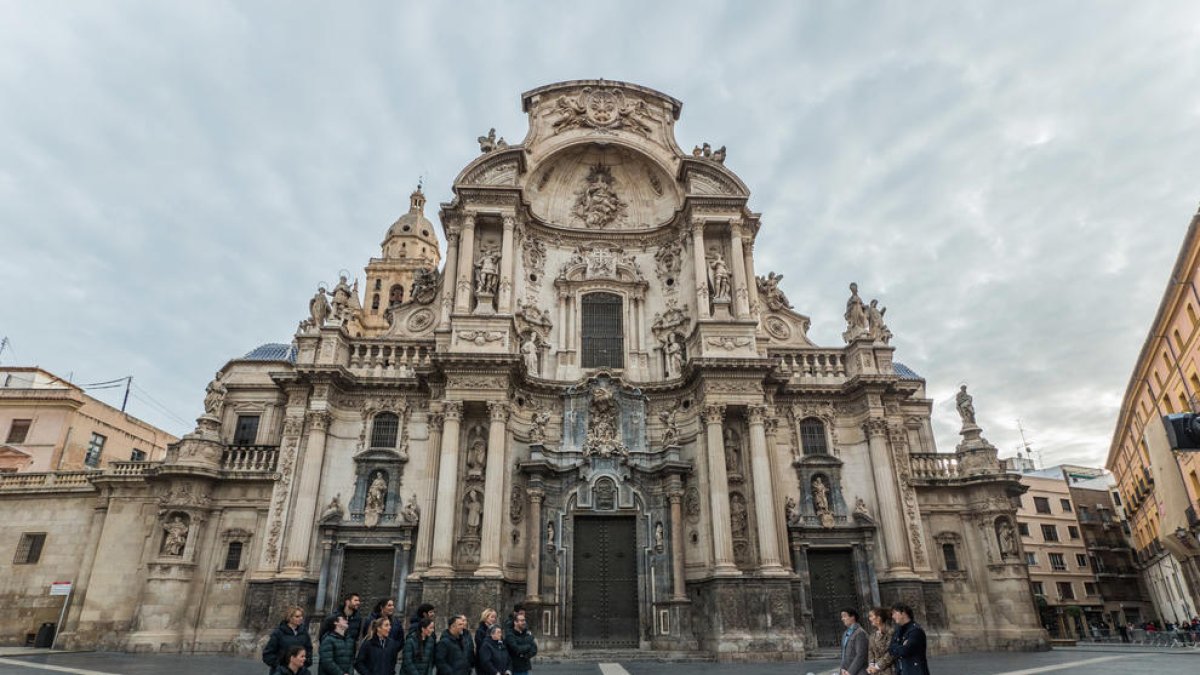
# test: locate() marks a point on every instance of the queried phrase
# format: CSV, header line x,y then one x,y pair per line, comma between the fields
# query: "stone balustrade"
x,y
388,359
811,365
250,458
47,480
934,466
129,468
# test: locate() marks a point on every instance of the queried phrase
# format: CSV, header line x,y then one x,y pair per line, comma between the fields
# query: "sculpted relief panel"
x,y
606,188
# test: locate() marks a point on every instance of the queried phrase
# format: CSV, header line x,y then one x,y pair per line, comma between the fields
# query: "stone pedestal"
x,y
747,620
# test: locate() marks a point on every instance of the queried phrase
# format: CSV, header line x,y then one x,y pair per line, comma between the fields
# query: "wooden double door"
x,y
604,599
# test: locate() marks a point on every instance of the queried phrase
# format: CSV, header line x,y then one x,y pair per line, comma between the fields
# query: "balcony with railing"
x,y
250,459
378,358
51,480
129,469
934,466
809,366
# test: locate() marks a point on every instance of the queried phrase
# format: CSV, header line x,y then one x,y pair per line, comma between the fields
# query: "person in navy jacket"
x,y
908,643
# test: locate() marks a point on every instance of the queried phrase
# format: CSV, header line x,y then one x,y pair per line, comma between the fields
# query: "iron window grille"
x,y
384,430
602,336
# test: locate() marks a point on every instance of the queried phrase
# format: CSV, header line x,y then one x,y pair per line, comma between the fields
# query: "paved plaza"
x,y
1110,661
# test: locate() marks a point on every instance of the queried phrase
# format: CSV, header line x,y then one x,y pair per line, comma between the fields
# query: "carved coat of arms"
x,y
597,203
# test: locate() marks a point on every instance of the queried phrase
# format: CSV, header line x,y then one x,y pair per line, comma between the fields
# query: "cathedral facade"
x,y
596,407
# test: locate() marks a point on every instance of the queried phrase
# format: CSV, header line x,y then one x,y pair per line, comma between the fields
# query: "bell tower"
x,y
410,245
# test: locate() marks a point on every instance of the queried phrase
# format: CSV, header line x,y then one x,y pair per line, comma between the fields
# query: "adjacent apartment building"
x,y
49,424
1160,488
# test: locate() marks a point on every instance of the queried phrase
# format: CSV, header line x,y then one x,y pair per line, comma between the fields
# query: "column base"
x,y
439,572
293,570
773,570
489,572
726,570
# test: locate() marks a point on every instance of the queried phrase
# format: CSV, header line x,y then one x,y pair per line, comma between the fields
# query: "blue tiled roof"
x,y
905,372
272,351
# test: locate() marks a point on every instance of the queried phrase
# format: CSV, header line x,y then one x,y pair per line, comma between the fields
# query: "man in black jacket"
x,y
455,652
521,646
350,605
908,643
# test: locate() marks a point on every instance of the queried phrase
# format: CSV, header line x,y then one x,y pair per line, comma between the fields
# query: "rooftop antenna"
x,y
3,344
1025,446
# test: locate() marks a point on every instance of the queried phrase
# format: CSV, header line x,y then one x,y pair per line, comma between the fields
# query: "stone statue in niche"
x,y
529,354
474,513
738,514
673,354
670,425
550,534
733,452
856,315
658,537
1007,538
791,513
476,456
597,203
318,308
861,512
879,329
769,291
718,277
341,299
820,494
334,509
214,397
966,406
487,272
176,535
376,500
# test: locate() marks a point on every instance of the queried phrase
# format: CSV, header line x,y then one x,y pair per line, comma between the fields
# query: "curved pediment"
x,y
500,168
709,178
608,187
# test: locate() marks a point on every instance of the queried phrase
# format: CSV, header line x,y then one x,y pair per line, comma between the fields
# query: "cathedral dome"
x,y
414,223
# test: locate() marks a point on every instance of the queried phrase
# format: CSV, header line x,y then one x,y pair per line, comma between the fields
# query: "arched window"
x,y
384,430
602,335
812,437
396,296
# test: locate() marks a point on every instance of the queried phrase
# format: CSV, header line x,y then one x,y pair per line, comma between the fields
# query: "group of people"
x,y
377,644
895,647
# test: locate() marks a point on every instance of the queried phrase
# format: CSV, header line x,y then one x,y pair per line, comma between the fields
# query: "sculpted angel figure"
x,y
318,308
490,142
412,512
856,315
214,397
537,432
670,425
790,512
176,537
879,329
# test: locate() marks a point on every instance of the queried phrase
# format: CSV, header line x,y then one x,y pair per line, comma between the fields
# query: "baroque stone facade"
x,y
596,407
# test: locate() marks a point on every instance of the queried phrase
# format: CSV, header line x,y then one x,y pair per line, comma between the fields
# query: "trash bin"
x,y
45,636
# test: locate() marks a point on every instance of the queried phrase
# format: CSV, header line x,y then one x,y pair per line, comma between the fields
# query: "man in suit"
x,y
854,645
908,643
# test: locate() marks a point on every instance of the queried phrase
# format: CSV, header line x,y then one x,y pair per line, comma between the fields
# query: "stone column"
x,y
466,265
493,492
428,508
718,485
303,520
506,266
449,278
446,511
737,262
678,587
764,495
701,268
533,555
891,511
748,263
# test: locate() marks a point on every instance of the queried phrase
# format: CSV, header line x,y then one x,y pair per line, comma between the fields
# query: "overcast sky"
x,y
176,178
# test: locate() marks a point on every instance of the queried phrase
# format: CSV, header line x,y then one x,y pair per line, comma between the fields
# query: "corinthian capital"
x,y
876,426
757,413
714,413
498,411
452,410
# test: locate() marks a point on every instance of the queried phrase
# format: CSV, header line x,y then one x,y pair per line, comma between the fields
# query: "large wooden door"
x,y
368,572
832,577
604,604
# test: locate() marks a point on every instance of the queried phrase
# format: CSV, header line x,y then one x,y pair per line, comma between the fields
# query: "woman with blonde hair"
x,y
487,619
289,633
879,661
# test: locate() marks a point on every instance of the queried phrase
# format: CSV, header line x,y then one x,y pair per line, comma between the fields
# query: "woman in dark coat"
x,y
337,649
289,633
418,650
377,654
493,655
293,662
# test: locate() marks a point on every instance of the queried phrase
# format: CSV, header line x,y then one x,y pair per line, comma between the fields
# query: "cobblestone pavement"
x,y
1118,661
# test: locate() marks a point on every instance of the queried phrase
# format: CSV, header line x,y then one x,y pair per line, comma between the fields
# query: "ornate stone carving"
x,y
733,451
452,410
879,330
668,261
718,277
777,328
529,354
476,455
318,309
673,354
333,511
820,496
791,511
1006,535
673,320
596,203
472,513
738,515
490,143
728,343
714,413
770,293
705,151
412,512
214,397
342,299
376,500
531,318
480,337
965,404
279,498
425,285
537,430
861,513
420,321
603,438
670,424
516,505
605,108
183,496
487,271
691,504
658,537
